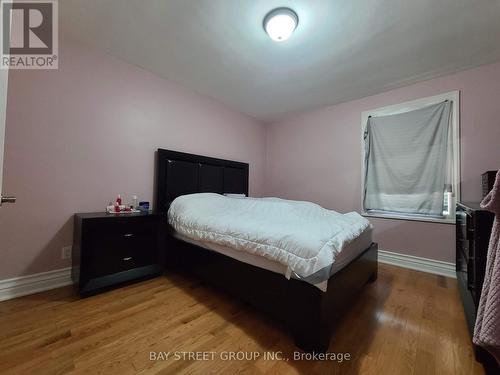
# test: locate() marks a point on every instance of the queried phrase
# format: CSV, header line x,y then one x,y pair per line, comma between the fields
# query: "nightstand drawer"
x,y
111,249
117,248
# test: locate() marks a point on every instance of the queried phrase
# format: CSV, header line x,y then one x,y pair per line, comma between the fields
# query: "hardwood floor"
x,y
405,323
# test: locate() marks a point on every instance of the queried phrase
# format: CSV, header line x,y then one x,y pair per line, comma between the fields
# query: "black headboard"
x,y
179,173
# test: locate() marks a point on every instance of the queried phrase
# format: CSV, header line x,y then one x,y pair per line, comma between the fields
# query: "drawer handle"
x,y
128,235
126,259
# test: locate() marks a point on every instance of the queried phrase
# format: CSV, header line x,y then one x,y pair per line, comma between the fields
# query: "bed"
x,y
310,309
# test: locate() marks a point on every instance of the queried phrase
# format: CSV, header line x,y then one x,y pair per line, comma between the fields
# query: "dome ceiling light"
x,y
280,23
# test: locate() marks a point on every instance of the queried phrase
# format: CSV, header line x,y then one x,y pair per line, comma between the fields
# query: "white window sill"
x,y
446,220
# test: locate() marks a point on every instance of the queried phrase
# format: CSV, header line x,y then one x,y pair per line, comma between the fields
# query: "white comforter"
x,y
300,235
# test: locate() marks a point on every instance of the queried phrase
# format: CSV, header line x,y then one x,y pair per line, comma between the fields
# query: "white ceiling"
x,y
341,50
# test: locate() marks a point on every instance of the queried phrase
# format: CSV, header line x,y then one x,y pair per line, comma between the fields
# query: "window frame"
x,y
454,97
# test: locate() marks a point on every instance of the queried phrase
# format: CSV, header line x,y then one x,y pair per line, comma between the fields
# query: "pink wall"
x,y
316,156
77,136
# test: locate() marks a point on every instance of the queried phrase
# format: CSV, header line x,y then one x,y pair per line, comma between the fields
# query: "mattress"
x,y
296,238
346,255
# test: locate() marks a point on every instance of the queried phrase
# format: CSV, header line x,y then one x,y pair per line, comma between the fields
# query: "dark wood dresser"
x,y
111,249
473,230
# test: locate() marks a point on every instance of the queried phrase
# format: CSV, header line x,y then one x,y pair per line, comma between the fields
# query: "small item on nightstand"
x,y
134,201
118,208
143,206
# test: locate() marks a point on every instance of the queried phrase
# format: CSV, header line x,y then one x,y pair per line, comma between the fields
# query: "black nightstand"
x,y
110,249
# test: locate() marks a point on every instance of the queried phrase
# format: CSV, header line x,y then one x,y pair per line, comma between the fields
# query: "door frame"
x,y
4,82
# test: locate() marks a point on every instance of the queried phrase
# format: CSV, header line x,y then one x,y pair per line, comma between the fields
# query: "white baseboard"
x,y
436,267
39,282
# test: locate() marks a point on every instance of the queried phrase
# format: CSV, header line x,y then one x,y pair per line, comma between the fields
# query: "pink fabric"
x,y
487,330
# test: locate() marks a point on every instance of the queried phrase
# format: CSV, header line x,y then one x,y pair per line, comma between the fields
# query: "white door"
x,y
4,77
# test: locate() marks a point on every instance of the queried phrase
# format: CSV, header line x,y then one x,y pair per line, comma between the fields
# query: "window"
x,y
410,159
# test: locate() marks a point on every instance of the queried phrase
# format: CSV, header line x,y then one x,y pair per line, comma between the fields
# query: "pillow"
x,y
235,195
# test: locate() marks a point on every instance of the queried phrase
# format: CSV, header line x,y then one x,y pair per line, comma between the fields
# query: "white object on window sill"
x,y
444,220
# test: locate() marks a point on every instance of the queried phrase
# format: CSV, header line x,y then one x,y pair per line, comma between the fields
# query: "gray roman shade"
x,y
406,161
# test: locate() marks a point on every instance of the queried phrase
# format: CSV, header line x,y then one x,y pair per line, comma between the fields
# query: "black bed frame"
x,y
309,313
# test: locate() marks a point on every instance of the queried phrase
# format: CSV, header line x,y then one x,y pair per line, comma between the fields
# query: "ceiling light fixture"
x,y
280,23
